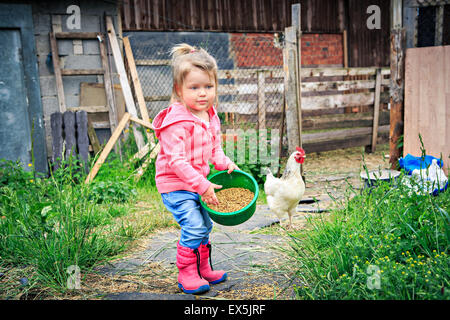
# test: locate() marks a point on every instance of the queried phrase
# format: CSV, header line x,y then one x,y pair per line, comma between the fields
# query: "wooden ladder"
x,y
107,79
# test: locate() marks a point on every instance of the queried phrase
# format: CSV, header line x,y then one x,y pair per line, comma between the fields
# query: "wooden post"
x,y
290,68
296,22
345,43
397,64
376,109
261,101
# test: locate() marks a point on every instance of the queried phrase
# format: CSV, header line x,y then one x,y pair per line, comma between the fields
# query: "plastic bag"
x,y
427,174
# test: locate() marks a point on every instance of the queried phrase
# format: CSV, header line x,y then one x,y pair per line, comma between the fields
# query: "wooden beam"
x,y
376,111
93,137
77,35
136,84
142,122
126,90
108,147
397,65
57,71
109,90
153,62
81,72
290,68
261,101
89,109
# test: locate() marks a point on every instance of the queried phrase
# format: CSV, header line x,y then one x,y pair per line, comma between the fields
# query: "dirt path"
x,y
252,253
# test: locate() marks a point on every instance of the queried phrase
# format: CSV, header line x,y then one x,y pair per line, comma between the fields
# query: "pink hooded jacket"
x,y
186,147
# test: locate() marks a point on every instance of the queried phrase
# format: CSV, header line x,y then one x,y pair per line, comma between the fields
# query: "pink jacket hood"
x,y
187,147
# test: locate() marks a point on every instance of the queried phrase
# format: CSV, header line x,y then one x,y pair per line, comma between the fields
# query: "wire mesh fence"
x,y
251,89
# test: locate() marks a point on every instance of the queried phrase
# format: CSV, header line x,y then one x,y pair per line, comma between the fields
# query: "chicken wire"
x,y
251,84
250,74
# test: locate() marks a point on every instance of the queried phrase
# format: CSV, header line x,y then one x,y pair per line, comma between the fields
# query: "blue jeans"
x,y
193,219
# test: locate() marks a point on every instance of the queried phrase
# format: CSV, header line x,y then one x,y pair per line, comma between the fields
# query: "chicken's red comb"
x,y
300,149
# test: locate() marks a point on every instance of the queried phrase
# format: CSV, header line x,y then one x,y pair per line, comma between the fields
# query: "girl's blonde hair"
x,y
184,58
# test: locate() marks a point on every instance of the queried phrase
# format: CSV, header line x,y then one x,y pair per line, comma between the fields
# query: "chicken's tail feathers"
x,y
267,171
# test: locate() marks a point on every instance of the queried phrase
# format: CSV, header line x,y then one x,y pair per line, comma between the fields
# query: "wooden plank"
x,y
69,134
142,122
56,124
111,105
153,62
338,101
376,111
341,85
343,143
77,35
82,138
57,71
137,85
341,134
108,147
329,72
129,101
427,102
89,109
351,120
93,137
81,72
412,102
153,154
261,102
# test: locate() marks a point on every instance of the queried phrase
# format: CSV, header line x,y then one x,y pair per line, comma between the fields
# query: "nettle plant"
x,y
253,150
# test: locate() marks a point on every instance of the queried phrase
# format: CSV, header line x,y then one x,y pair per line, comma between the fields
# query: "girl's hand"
x,y
232,167
209,197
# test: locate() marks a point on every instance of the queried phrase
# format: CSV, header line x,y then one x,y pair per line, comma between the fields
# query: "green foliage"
x,y
404,237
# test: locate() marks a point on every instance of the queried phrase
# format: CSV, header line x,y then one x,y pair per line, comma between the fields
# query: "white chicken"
x,y
283,194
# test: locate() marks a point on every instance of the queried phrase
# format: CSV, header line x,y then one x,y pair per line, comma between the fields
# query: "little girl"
x,y
189,135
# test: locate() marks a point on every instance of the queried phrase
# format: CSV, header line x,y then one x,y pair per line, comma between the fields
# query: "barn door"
x,y
21,116
15,130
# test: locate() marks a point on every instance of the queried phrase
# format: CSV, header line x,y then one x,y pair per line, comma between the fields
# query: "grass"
x,y
48,224
380,243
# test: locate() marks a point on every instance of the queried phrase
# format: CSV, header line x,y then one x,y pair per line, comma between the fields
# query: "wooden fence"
x,y
254,98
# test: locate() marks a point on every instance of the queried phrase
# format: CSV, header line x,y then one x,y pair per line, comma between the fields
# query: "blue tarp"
x,y
409,162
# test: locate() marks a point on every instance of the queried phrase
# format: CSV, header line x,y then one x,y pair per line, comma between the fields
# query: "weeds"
x,y
48,224
382,243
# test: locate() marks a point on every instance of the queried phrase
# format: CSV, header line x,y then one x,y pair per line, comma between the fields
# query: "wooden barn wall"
x,y
366,47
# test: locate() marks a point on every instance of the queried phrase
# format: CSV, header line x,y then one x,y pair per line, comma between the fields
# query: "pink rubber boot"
x,y
206,269
189,279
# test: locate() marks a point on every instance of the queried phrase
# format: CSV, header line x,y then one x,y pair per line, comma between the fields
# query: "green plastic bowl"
x,y
236,179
